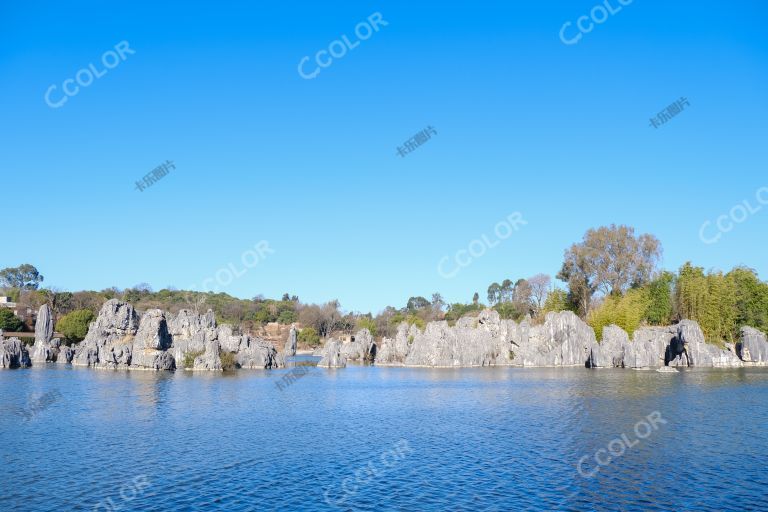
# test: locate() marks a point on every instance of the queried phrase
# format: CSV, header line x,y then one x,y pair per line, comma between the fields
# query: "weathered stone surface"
x,y
151,342
110,337
611,351
291,342
259,354
65,354
332,357
563,340
689,348
188,324
43,352
116,354
486,340
229,341
151,359
752,346
394,351
13,354
44,324
191,332
210,359
153,332
648,347
362,349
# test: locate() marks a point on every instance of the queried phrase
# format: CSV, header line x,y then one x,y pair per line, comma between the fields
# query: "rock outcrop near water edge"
x,y
120,339
562,340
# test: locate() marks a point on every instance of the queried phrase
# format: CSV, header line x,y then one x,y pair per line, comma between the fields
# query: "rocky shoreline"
x,y
120,339
563,340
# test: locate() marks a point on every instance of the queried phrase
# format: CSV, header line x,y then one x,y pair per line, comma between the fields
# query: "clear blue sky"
x,y
560,133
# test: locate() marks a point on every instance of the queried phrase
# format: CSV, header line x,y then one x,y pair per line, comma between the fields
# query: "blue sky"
x,y
560,133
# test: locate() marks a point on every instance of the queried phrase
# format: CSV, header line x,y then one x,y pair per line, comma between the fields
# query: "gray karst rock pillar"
x,y
44,350
290,344
44,325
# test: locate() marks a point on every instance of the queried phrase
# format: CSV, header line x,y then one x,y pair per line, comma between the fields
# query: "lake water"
x,y
364,438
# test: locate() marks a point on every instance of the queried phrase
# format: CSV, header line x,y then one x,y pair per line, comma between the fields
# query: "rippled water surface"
x,y
365,438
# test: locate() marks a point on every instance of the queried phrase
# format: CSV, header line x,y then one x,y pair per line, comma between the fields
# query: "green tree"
x,y
74,326
286,317
494,293
627,311
508,311
557,300
751,298
309,336
366,323
417,304
25,277
660,309
9,321
709,299
611,259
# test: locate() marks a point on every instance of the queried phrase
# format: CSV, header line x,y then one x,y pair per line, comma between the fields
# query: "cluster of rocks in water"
x,y
119,339
562,340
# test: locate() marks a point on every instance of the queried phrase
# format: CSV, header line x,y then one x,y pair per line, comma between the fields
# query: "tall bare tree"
x,y
539,288
610,259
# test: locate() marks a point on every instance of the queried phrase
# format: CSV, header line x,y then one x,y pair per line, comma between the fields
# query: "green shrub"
x,y
366,323
74,326
228,360
9,321
189,358
309,336
627,312
286,317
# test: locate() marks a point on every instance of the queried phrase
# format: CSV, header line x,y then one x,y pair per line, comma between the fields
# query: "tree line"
x,y
611,276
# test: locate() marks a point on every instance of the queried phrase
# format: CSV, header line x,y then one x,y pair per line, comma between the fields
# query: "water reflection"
x,y
482,438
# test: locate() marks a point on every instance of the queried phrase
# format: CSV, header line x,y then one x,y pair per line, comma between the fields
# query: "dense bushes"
x,y
74,325
720,303
309,336
9,321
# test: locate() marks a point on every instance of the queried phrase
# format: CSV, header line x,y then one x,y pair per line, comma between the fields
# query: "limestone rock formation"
x,y
291,342
118,339
648,347
44,324
612,351
753,346
362,349
190,332
332,357
110,337
394,351
65,354
210,359
563,340
151,342
258,353
688,348
13,354
45,351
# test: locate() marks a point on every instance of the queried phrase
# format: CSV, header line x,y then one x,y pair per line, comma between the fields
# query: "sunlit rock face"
x,y
118,339
332,357
562,340
752,347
